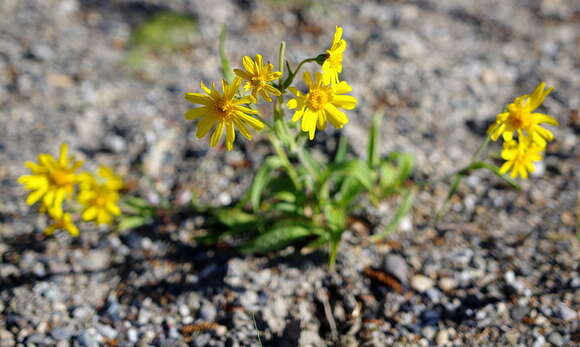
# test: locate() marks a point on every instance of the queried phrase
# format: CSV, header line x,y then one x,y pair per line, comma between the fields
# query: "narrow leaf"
x,y
341,149
132,222
263,176
373,148
225,63
276,238
401,212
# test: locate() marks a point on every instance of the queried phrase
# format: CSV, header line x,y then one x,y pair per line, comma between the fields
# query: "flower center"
x,y
519,119
62,178
224,108
317,99
257,82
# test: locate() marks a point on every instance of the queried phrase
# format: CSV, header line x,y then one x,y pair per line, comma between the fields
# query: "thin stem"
x,y
285,161
480,150
333,253
292,74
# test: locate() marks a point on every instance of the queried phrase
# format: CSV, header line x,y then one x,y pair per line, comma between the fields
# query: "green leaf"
x,y
341,149
355,168
225,63
136,206
132,222
401,212
373,148
234,217
261,180
277,238
336,217
321,241
405,165
350,189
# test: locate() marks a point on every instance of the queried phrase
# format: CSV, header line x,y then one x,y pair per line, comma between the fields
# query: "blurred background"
x,y
108,77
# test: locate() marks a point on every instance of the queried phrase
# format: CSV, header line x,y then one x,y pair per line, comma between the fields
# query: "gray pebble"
x,y
518,313
556,339
132,335
61,333
106,331
86,340
208,312
95,260
310,338
397,266
567,313
249,299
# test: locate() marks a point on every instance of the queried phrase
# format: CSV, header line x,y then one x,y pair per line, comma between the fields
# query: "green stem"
x,y
333,253
285,161
292,74
480,150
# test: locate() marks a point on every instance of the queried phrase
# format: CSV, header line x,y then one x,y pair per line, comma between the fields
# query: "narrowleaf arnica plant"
x,y
295,198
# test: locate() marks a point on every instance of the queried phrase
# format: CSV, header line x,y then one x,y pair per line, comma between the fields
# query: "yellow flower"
x,y
223,110
257,76
320,104
519,118
520,157
99,196
332,66
52,180
62,222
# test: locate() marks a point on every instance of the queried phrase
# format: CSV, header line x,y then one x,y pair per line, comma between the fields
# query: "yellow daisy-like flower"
x,y
224,111
257,76
52,180
520,157
99,196
519,117
332,66
321,104
62,222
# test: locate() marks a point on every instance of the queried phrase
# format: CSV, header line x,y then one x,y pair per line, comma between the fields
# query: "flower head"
x,y
222,110
62,222
51,180
520,156
321,104
99,195
257,76
519,118
332,65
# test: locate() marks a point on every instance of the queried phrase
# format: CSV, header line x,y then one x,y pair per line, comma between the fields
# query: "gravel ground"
x,y
501,270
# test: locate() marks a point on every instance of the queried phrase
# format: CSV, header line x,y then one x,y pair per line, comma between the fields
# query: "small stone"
x,y
86,340
132,335
61,333
429,332
208,312
447,284
397,266
556,339
421,283
6,338
309,338
95,260
184,310
106,331
430,317
249,300
567,313
540,341
442,337
519,313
